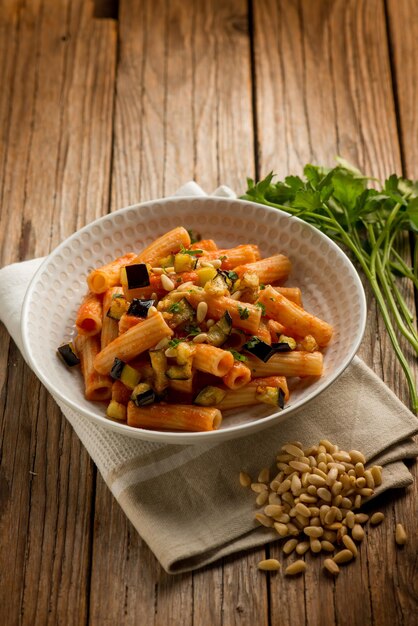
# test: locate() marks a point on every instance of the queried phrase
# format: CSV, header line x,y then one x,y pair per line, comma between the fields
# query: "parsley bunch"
x,y
367,222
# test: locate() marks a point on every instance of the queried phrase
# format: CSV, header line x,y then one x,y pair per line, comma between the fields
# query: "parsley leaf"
x,y
232,275
243,312
175,308
173,343
262,307
237,355
192,330
184,250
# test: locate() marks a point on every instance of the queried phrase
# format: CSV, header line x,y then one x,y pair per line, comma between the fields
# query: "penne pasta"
x,y
238,376
165,245
174,417
296,320
212,360
232,257
263,332
207,245
295,363
270,270
128,321
247,396
102,278
97,386
89,316
136,340
291,293
276,329
244,315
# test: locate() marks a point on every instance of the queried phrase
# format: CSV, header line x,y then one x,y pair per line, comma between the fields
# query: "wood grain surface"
x,y
107,103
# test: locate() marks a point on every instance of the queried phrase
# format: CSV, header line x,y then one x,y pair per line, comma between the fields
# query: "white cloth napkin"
x,y
185,501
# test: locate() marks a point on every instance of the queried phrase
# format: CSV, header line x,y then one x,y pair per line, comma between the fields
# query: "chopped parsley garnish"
x,y
183,250
237,355
174,308
173,343
223,258
192,330
243,312
262,307
232,275
262,286
252,342
117,295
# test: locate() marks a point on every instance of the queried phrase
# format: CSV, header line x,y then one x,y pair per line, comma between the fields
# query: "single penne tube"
x,y
296,320
102,278
263,332
110,327
163,246
238,376
174,417
89,318
295,363
244,315
183,386
97,386
247,396
247,253
276,329
269,270
291,293
136,340
127,322
212,360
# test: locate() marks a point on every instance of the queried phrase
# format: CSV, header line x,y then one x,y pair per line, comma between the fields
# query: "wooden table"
x,y
102,106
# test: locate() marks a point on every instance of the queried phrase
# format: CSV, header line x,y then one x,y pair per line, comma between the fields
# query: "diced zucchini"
x,y
230,278
308,344
129,376
116,410
184,262
268,395
209,396
184,353
166,261
179,372
68,354
117,307
159,366
219,332
143,394
289,341
205,274
217,286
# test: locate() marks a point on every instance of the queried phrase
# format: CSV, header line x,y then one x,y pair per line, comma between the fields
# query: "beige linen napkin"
x,y
185,501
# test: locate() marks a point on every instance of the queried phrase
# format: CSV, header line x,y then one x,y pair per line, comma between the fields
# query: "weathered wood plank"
x,y
56,109
183,110
317,96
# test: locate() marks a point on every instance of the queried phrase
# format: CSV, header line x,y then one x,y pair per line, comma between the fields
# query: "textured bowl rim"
x,y
181,437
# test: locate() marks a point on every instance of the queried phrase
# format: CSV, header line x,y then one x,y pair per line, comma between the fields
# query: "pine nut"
x,y
332,476
302,521
296,485
346,503
357,502
281,529
359,469
216,263
152,311
315,545
185,286
377,518
288,498
361,482
202,309
171,353
289,546
273,510
167,283
336,501
343,556
269,565
350,519
307,499
264,475
331,566
312,490
210,323
163,343
361,518
200,338
330,517
262,498
342,456
302,547
293,530
205,263
258,487
295,568
336,488
274,499
283,518
285,486
318,481
236,295
329,535
400,535
350,545
357,533
357,457
244,479
293,450
327,445
377,475
302,509
327,546
264,520
313,531
301,467
369,479
324,494
319,472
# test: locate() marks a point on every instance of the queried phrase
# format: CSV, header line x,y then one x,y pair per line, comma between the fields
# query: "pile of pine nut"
x,y
313,500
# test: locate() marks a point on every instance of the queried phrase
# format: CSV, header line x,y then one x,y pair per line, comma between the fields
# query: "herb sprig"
x,y
369,223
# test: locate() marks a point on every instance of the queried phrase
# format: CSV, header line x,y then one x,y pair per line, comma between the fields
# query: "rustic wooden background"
x,y
103,104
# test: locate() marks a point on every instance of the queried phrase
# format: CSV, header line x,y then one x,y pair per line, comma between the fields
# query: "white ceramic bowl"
x,y
330,286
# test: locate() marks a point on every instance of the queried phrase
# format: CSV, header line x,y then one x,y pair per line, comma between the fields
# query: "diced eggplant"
x,y
219,332
117,307
143,394
159,366
229,277
129,376
137,275
205,274
263,350
182,312
116,410
140,308
179,372
68,354
209,396
217,286
281,398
